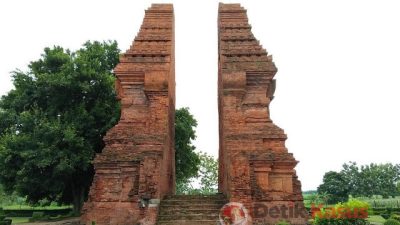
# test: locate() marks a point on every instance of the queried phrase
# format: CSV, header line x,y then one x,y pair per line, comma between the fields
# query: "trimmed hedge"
x,y
395,216
29,212
377,211
391,222
3,220
341,221
384,210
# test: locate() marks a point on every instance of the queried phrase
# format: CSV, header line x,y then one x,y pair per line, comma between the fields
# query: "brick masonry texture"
x,y
138,161
136,169
255,167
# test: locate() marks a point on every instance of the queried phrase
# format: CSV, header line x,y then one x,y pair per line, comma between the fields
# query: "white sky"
x,y
338,81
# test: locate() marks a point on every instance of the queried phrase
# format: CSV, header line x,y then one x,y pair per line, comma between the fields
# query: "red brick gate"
x,y
255,167
136,168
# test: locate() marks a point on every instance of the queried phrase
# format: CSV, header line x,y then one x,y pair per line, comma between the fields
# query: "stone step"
x,y
186,197
190,209
164,206
200,216
189,222
179,211
193,202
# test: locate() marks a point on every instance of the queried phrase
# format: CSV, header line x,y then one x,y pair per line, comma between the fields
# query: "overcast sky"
x,y
338,65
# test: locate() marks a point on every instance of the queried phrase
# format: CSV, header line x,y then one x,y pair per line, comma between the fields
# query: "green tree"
x,y
314,198
208,174
325,197
351,174
379,179
192,167
186,188
187,161
206,181
372,179
358,181
334,187
53,122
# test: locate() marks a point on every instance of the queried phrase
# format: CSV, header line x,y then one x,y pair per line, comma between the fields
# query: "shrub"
x,y
385,216
353,212
6,222
354,204
386,213
340,221
39,216
395,216
3,220
283,222
391,222
2,214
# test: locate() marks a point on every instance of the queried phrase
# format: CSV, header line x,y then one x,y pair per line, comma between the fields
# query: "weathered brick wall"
x,y
255,166
137,162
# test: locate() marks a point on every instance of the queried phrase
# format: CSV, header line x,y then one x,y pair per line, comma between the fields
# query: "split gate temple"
x,y
135,174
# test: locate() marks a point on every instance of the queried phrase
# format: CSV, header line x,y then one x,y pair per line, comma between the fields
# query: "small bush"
x,y
391,222
341,221
395,217
283,222
385,216
2,214
355,204
3,220
6,222
353,212
39,216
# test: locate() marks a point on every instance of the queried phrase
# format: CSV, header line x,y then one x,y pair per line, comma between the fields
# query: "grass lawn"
x,y
35,207
376,219
16,220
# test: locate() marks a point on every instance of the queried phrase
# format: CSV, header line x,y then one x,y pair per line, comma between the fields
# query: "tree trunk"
x,y
77,199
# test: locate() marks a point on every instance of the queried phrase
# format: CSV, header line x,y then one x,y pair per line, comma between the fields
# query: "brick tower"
x,y
255,167
137,166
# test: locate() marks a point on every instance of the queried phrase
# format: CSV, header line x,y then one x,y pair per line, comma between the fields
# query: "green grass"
x,y
16,220
381,202
375,201
19,220
376,219
35,207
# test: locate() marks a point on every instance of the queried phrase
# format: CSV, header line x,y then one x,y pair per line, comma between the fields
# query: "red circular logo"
x,y
233,213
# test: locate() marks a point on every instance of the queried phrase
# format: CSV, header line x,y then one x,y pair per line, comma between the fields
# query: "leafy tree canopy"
x,y
334,185
208,174
52,123
187,161
206,181
365,180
